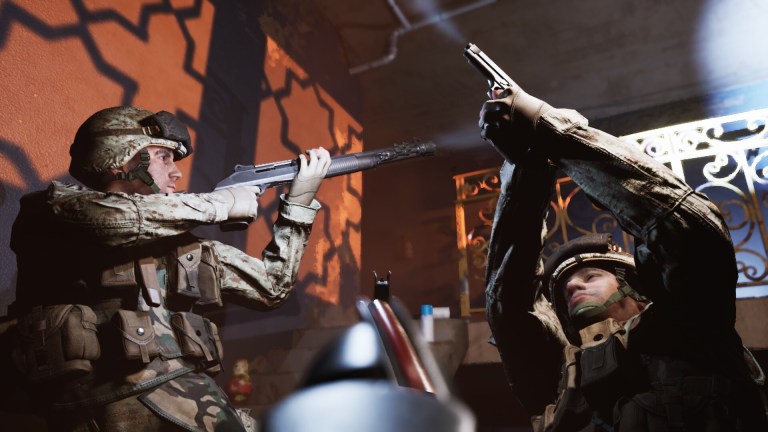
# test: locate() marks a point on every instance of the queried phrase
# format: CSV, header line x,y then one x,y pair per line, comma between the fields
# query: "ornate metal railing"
x,y
725,158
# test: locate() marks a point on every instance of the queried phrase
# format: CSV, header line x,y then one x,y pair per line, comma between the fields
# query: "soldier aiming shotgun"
x,y
110,312
280,173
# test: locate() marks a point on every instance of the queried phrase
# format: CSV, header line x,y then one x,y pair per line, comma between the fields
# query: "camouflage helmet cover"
x,y
111,137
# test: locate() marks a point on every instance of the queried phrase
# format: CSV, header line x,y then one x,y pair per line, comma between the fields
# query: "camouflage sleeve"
x,y
267,282
119,219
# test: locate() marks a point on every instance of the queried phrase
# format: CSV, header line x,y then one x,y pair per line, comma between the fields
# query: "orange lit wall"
x,y
239,74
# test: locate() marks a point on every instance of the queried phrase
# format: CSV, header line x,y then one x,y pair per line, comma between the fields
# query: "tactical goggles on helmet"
x,y
163,125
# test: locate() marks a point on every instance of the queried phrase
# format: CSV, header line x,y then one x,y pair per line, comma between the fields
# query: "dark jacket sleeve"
x,y
677,230
683,248
529,350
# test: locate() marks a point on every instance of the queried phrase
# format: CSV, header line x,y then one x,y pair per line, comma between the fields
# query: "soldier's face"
x,y
163,169
589,284
595,285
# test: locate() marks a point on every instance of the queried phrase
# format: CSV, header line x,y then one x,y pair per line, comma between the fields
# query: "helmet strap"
x,y
140,171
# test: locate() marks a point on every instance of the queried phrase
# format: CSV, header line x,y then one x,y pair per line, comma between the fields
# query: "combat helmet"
x,y
591,250
111,137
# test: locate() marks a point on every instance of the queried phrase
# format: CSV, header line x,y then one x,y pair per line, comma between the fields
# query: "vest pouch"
x,y
606,372
210,280
138,335
198,339
187,276
570,411
195,278
57,340
120,276
213,331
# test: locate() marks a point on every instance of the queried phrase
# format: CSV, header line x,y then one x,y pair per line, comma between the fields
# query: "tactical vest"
x,y
606,387
593,375
139,332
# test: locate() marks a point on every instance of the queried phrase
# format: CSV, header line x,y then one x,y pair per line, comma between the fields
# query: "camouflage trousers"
x,y
191,402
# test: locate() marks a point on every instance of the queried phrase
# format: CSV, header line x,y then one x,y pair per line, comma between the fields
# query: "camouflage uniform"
x,y
78,246
684,351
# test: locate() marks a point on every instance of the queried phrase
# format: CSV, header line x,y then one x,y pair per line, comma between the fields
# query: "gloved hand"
x,y
242,201
509,120
311,174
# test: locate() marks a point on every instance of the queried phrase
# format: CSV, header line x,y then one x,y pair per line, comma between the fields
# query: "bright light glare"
x,y
728,39
365,342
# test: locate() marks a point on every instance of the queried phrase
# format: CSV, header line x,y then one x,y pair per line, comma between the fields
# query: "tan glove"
x,y
242,201
509,121
310,176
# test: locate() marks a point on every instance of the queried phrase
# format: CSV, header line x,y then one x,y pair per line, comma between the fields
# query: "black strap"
x,y
139,171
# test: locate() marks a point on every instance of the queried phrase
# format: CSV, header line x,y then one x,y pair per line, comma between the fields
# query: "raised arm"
x,y
683,249
120,219
678,232
527,342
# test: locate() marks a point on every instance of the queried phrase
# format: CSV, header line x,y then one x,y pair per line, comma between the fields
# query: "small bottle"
x,y
427,323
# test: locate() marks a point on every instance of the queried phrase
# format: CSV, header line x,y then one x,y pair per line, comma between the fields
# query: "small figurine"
x,y
239,387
